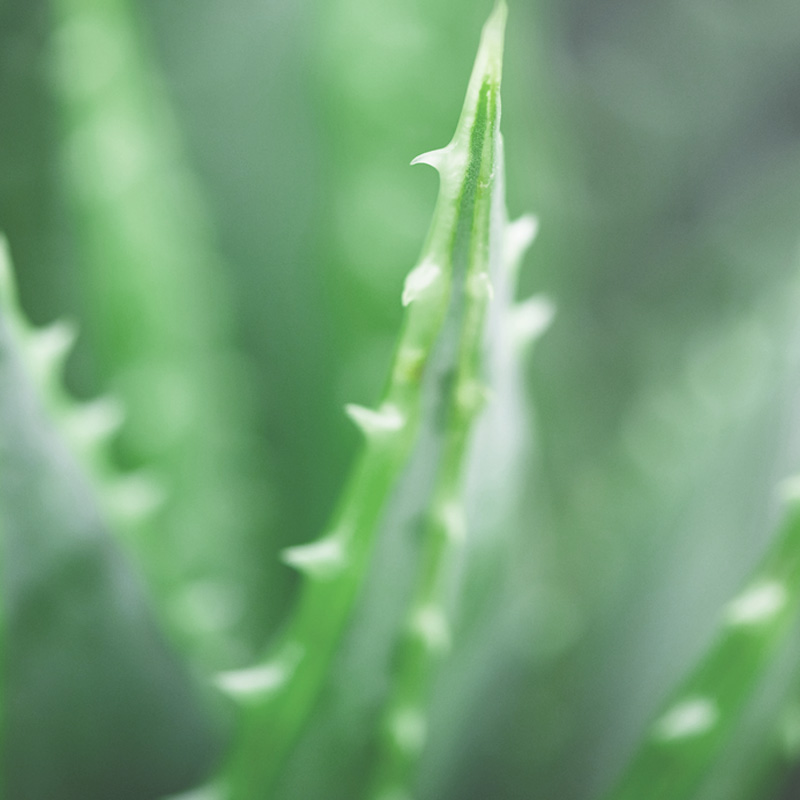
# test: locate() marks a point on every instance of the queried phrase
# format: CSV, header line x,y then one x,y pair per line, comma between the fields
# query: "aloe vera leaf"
x,y
697,719
96,704
277,696
160,320
479,258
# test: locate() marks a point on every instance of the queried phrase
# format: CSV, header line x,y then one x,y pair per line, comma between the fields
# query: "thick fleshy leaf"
x,y
160,318
96,703
413,464
679,749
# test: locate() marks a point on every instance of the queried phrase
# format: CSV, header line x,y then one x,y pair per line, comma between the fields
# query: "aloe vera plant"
x,y
437,382
436,472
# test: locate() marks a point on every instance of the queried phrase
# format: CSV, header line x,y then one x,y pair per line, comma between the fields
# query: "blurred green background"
x,y
659,143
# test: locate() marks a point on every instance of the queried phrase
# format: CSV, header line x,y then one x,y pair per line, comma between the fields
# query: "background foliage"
x,y
658,143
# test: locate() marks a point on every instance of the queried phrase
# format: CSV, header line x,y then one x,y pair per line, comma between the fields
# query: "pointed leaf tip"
x,y
487,71
493,34
499,14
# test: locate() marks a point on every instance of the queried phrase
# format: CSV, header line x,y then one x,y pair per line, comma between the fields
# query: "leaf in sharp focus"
x,y
477,344
96,705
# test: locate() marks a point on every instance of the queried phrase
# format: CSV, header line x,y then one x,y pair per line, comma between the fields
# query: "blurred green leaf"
x,y
96,703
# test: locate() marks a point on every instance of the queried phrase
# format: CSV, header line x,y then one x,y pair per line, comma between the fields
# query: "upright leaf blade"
x,y
161,326
471,240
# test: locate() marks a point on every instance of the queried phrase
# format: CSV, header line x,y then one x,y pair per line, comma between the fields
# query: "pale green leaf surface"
x,y
679,748
159,313
95,703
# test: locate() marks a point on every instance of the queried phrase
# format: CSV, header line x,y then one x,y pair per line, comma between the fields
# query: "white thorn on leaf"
x,y
430,624
419,280
690,717
530,319
48,347
757,604
321,559
520,235
387,419
255,682
433,158
92,422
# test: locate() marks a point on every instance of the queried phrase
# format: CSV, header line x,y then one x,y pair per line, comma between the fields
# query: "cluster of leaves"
x,y
406,603
437,389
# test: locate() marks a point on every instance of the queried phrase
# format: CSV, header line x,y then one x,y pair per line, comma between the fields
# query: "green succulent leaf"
x,y
435,393
160,322
95,703
467,243
680,747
